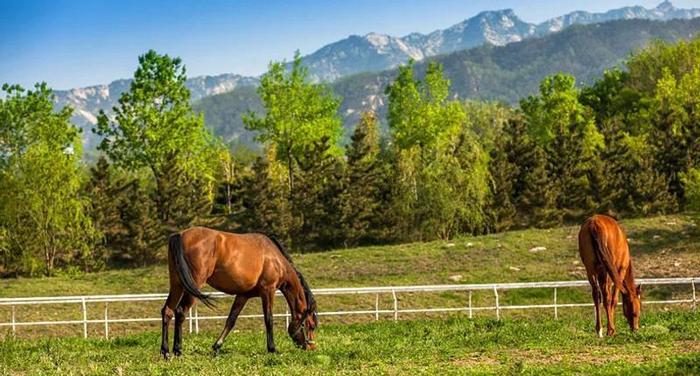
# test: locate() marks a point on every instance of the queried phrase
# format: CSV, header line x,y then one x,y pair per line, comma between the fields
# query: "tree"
x,y
420,113
106,190
365,181
442,170
141,241
42,213
503,175
298,114
533,192
566,131
675,132
154,127
261,202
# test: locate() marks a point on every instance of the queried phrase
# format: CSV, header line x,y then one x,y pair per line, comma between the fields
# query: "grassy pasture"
x,y
524,341
664,246
667,344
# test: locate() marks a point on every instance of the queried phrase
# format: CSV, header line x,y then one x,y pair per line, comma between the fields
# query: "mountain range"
x,y
376,52
496,73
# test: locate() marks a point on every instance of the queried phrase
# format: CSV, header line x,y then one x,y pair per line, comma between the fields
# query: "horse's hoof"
x,y
272,350
166,355
216,350
600,333
177,352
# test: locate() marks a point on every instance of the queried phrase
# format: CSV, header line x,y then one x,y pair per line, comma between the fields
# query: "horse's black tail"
x,y
177,254
602,252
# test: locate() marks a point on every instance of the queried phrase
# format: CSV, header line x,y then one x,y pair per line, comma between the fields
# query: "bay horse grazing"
x,y
245,265
605,253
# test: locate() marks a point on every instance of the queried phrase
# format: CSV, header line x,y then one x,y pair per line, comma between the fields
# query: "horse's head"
x,y
301,329
632,306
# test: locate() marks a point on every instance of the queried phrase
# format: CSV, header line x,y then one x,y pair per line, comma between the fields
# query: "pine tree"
x,y
365,174
316,199
106,192
503,176
533,191
184,199
141,241
261,202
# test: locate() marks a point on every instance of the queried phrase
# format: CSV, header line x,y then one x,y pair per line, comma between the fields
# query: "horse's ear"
x,y
639,290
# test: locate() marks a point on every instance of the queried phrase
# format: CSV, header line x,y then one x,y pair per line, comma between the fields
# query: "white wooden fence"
x,y
394,291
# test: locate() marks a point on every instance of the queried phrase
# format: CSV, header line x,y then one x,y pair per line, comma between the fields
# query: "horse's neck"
x,y
629,279
294,293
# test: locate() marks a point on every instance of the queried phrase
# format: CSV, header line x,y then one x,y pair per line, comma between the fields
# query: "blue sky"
x,y
78,43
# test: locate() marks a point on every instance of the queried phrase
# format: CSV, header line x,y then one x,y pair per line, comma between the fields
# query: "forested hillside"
x,y
505,73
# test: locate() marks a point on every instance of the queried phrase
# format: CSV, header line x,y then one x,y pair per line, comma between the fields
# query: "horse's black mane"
x,y
310,299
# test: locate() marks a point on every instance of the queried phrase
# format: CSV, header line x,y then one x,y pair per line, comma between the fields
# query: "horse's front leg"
x,y
236,309
267,298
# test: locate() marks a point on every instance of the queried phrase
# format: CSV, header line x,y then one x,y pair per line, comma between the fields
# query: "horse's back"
x,y
231,262
611,234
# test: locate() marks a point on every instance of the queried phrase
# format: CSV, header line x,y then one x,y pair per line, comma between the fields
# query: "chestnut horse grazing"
x,y
245,265
605,253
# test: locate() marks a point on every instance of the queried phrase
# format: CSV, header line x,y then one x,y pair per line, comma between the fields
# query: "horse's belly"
x,y
232,282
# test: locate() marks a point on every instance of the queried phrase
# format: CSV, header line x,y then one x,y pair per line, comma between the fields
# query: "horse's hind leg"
x,y
167,314
182,308
608,304
595,292
267,299
236,309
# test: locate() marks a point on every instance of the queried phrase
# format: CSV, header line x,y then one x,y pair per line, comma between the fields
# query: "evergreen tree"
x,y
533,192
503,176
361,220
106,191
141,241
317,197
261,202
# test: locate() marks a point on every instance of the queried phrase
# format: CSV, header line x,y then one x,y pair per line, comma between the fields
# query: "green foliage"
x,y
261,202
691,182
363,200
442,168
565,129
298,114
420,113
42,216
154,127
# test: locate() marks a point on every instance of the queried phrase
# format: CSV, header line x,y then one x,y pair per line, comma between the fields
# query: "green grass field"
x,y
667,344
523,342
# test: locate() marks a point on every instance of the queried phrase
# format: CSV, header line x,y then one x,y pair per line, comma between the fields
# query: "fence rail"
x,y
194,317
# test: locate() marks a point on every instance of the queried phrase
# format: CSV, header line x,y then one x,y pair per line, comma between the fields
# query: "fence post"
x,y
498,306
396,305
556,313
84,318
106,321
14,326
376,307
470,304
190,319
695,300
196,319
